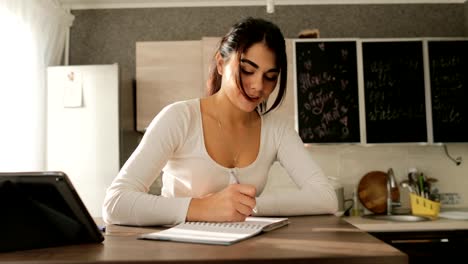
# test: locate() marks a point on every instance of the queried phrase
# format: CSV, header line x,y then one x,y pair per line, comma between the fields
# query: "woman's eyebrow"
x,y
253,64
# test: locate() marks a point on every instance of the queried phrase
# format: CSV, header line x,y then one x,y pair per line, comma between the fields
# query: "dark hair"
x,y
241,37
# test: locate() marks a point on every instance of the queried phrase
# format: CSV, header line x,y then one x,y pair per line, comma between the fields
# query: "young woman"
x,y
215,152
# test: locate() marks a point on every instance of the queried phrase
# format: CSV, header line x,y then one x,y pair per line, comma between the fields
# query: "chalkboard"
x,y
327,91
394,91
448,67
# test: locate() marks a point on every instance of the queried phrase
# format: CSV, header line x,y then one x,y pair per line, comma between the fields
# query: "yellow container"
x,y
424,207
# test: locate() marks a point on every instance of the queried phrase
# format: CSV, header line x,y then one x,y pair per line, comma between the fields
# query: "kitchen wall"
x,y
106,36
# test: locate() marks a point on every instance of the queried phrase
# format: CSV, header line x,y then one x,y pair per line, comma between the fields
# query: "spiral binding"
x,y
234,225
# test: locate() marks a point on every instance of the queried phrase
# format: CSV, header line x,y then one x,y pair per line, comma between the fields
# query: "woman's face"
x,y
259,76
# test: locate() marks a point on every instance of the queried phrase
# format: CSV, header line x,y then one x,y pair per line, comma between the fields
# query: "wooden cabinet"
x,y
166,71
428,246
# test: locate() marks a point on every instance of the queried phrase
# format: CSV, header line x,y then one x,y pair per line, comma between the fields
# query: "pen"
x,y
233,180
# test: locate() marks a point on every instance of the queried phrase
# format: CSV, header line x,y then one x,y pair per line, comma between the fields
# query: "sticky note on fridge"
x,y
73,90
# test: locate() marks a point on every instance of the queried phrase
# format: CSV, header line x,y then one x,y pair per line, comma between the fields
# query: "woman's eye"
x,y
246,71
271,78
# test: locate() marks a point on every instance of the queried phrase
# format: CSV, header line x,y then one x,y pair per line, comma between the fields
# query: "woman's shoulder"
x,y
182,106
181,109
180,112
276,125
277,120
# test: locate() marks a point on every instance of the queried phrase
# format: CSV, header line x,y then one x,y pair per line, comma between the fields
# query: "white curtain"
x,y
33,34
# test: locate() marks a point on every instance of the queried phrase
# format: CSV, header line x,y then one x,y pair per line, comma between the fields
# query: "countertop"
x,y
307,239
439,224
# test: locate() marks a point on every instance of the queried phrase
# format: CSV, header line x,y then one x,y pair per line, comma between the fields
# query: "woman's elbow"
x,y
111,209
108,214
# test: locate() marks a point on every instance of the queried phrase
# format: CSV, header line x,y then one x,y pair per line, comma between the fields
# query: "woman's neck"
x,y
227,113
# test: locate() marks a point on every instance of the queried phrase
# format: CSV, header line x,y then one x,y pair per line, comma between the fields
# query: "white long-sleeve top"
x,y
174,143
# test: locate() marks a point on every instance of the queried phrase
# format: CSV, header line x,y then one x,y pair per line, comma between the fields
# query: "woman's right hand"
x,y
232,204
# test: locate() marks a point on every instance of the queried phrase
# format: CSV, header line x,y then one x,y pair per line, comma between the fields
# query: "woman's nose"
x,y
257,83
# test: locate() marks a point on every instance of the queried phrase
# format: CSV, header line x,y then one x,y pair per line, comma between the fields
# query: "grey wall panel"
x,y
105,36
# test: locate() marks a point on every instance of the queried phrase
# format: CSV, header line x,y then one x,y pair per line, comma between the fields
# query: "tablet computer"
x,y
42,209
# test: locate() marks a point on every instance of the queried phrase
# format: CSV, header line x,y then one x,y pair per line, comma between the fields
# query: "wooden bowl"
x,y
372,192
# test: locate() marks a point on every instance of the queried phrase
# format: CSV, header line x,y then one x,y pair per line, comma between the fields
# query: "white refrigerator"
x,y
83,128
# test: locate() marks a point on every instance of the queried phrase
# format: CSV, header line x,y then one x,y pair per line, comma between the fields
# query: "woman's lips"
x,y
254,98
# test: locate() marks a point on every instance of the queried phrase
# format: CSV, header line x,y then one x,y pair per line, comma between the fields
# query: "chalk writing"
x,y
327,91
394,92
448,66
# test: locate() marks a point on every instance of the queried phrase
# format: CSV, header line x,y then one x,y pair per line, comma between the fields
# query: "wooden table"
x,y
307,239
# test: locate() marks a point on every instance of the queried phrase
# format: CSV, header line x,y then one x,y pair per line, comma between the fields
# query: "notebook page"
x,y
224,233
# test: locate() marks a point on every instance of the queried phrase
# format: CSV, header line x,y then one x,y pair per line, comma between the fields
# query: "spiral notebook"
x,y
225,233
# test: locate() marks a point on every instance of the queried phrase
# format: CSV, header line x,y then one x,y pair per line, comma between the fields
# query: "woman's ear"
x,y
219,63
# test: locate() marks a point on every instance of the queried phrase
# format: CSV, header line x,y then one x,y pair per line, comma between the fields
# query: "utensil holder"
x,y
424,207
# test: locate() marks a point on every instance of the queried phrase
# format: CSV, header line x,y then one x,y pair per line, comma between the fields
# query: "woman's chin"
x,y
251,104
247,106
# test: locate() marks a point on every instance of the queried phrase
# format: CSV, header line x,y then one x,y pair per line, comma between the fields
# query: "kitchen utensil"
x,y
405,184
429,182
372,191
412,176
404,181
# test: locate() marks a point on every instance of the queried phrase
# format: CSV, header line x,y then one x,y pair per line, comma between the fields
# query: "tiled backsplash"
x,y
349,163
